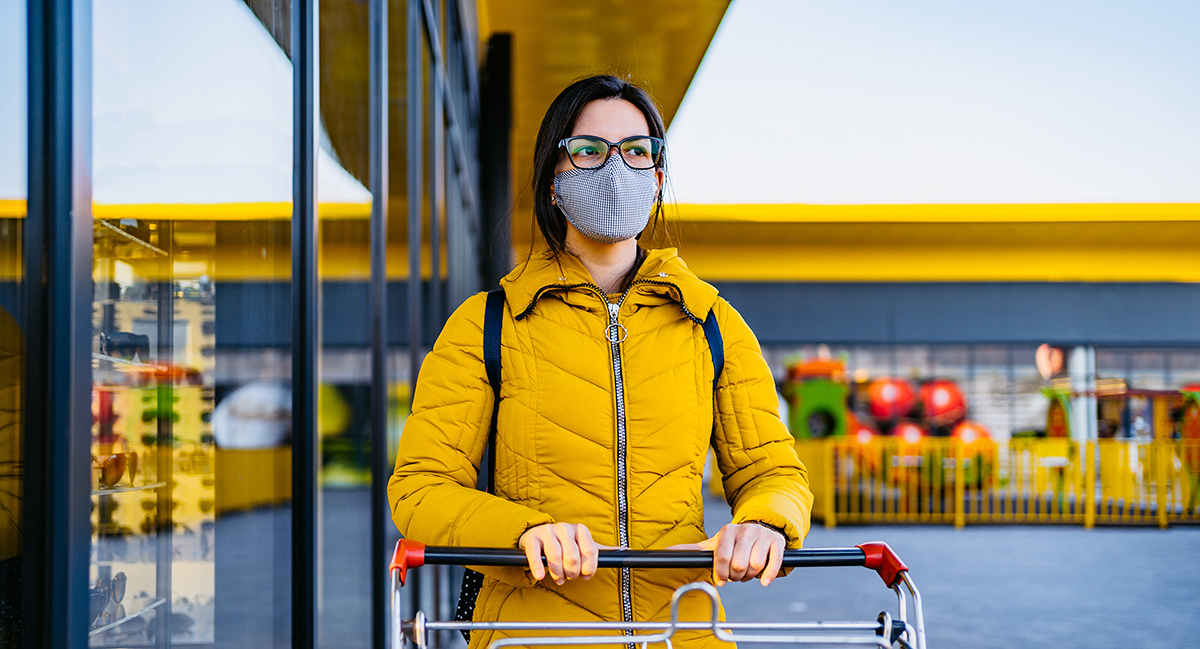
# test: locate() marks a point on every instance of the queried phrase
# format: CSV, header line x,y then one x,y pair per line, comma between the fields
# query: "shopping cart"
x,y
886,632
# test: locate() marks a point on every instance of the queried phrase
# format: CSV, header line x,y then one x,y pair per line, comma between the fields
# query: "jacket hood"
x,y
662,273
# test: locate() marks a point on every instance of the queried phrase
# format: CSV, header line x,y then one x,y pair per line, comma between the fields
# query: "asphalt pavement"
x,y
1061,587
1003,586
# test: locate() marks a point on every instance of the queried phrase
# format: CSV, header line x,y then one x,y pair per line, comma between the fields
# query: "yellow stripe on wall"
x,y
12,208
765,262
262,211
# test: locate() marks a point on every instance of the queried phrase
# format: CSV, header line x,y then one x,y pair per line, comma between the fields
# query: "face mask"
x,y
609,204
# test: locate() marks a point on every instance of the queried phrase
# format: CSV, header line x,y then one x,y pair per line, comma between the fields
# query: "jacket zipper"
x,y
615,333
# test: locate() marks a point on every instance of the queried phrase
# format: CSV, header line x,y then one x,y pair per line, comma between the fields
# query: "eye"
x,y
637,149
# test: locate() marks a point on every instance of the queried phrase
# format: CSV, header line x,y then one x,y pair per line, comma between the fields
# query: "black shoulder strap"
x,y
712,331
493,323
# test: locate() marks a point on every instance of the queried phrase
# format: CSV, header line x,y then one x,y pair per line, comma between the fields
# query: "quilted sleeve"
x,y
763,479
432,491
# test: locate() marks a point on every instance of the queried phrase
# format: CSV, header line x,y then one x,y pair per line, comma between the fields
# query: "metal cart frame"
x,y
886,632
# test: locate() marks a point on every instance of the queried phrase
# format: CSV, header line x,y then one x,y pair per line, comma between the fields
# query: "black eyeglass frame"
x,y
661,143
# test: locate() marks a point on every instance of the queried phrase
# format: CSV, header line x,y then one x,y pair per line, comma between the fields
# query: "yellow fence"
x,y
940,480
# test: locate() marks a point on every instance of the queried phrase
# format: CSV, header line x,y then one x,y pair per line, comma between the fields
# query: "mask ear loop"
x,y
661,176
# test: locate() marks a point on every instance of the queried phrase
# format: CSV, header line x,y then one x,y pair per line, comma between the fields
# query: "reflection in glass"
x,y
344,391
191,341
13,165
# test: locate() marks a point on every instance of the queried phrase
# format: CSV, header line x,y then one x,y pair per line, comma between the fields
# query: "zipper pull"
x,y
615,332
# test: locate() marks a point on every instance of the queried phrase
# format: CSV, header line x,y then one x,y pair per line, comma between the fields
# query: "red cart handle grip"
x,y
408,554
883,560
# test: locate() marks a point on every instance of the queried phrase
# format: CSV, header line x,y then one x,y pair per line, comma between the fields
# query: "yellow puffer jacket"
x,y
569,450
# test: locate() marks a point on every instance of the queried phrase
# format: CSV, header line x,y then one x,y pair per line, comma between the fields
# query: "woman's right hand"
x,y
569,549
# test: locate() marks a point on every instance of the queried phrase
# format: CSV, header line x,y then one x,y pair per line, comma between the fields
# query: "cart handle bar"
x,y
876,556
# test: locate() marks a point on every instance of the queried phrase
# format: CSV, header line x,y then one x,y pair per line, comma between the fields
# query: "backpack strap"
x,y
712,331
493,324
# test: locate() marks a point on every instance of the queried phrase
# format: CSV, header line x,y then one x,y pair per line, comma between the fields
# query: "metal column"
x,y
164,424
437,167
415,146
1081,366
57,296
378,27
306,330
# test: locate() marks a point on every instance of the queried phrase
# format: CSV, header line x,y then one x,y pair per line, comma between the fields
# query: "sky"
x,y
13,145
191,104
797,101
944,101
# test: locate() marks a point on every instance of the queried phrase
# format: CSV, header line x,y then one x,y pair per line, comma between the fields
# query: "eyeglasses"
x,y
108,469
104,600
591,152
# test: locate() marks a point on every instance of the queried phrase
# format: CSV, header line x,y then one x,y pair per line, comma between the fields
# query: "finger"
x,y
533,554
758,557
565,535
722,555
774,563
587,551
686,546
739,562
554,556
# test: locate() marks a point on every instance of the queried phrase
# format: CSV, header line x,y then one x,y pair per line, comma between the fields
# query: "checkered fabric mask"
x,y
610,203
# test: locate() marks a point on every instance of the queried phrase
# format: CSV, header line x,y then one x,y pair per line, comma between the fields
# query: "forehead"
x,y
611,119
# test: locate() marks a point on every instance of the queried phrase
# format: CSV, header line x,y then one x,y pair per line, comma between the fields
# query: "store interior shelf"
x,y
149,246
149,607
121,490
122,361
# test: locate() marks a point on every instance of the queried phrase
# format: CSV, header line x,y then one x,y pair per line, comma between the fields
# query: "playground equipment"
x,y
824,402
817,390
866,442
891,398
943,401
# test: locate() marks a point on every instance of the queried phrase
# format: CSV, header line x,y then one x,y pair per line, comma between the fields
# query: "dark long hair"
x,y
558,123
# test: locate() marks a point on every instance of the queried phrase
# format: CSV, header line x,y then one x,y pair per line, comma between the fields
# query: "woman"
x,y
608,408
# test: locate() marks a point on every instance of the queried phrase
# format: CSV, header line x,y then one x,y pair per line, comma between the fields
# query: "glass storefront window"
x,y
345,369
191,350
13,164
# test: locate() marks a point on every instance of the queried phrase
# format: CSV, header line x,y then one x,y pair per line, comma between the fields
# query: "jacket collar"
x,y
662,274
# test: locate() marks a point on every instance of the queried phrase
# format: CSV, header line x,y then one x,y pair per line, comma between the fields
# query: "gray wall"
x,y
1151,314
1026,312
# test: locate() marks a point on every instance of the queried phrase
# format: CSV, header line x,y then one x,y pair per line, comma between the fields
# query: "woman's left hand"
x,y
743,552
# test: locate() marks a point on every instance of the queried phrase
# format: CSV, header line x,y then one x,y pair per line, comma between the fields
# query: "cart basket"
x,y
885,632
